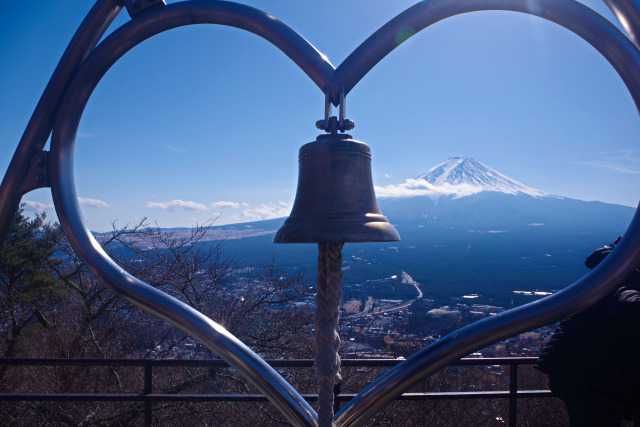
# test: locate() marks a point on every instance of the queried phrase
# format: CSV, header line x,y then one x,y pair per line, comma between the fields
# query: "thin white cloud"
x,y
610,165
177,205
421,187
36,206
630,154
622,161
225,204
267,211
94,203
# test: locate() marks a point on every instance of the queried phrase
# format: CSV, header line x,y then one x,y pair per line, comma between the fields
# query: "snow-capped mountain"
x,y
463,192
465,170
458,177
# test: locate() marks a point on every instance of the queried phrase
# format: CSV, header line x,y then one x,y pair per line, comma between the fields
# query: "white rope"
x,y
329,292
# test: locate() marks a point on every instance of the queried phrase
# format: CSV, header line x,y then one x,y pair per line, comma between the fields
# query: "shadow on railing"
x,y
148,397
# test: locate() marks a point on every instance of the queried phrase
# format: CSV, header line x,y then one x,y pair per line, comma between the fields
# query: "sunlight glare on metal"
x,y
404,34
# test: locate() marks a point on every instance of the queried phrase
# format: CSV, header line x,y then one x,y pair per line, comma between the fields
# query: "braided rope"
x,y
329,293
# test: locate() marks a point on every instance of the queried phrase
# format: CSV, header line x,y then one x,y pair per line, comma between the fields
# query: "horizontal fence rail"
x,y
148,397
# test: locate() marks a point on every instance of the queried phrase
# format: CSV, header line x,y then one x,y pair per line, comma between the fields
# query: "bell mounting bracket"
x,y
332,124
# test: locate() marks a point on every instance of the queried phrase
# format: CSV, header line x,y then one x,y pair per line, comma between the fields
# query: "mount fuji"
x,y
463,192
472,175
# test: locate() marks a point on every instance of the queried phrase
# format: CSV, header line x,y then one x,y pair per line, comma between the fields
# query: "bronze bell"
x,y
335,201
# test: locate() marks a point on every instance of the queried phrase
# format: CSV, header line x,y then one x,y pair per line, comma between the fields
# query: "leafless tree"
x,y
76,315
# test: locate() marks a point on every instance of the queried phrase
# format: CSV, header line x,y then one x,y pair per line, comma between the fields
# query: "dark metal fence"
x,y
148,397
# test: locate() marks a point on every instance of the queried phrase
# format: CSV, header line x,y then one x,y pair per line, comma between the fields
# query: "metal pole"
x,y
513,395
148,404
628,13
336,402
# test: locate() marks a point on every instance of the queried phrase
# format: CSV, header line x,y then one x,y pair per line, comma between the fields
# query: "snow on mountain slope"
x,y
458,177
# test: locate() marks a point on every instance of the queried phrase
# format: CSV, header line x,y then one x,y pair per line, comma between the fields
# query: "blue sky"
x,y
207,120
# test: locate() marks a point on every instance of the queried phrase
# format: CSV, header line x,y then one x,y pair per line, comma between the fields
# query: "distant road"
x,y
409,281
368,306
378,311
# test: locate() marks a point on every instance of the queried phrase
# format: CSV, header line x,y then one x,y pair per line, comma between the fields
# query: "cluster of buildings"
x,y
380,327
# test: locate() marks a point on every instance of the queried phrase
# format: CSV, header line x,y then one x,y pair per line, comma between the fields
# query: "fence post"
x,y
148,384
336,402
513,394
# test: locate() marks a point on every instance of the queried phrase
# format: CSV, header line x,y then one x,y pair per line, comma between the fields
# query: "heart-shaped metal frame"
x,y
86,66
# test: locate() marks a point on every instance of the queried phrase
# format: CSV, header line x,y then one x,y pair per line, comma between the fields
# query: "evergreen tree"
x,y
29,289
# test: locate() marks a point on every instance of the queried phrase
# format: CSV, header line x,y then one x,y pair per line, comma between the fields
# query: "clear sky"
x,y
207,119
